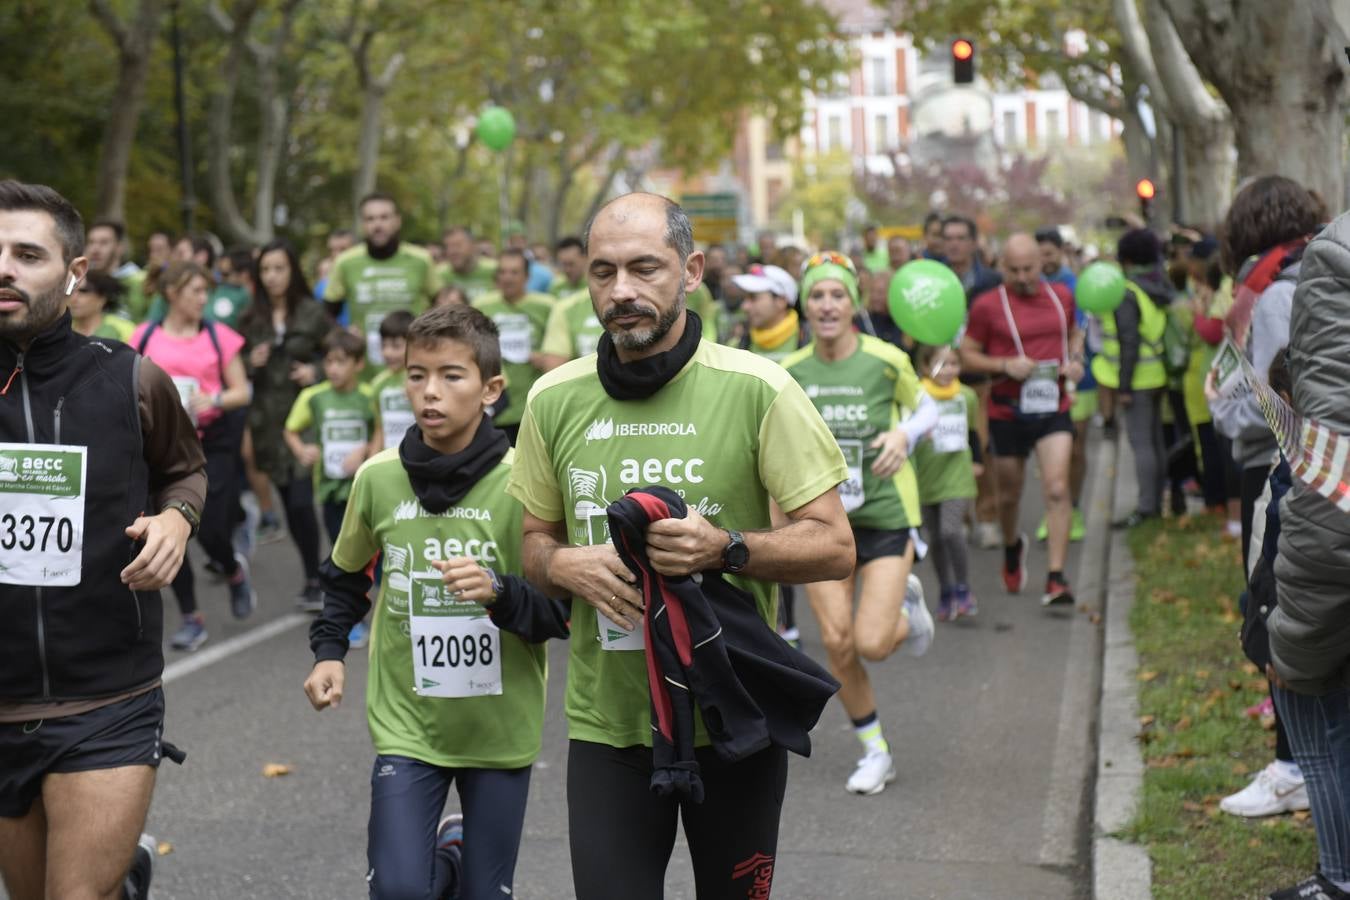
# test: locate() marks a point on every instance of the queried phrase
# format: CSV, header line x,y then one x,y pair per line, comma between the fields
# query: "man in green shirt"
x,y
570,259
876,257
380,275
105,246
573,330
735,435
773,328
520,318
464,266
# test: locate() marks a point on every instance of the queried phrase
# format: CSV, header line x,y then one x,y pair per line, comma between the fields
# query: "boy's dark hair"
x,y
925,355
1281,382
15,196
466,325
106,286
342,341
396,324
241,259
1139,247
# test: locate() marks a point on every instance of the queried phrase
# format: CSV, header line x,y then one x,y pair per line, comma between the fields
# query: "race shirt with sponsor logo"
x,y
860,397
428,691
394,413
573,329
340,423
520,330
373,288
942,461
727,433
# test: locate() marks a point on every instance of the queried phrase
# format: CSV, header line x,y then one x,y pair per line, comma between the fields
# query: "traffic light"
x,y
963,61
1145,191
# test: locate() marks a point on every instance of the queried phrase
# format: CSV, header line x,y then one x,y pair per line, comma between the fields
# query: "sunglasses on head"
x,y
830,256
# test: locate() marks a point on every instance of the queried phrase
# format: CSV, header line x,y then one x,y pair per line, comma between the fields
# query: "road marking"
x,y
203,658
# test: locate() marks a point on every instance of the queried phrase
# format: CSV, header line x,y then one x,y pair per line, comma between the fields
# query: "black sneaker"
x,y
310,599
136,884
1133,520
1315,887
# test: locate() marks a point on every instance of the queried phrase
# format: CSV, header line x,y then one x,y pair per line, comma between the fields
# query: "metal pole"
x,y
1178,201
188,203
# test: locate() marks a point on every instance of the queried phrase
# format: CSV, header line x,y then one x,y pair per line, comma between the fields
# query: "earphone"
x,y
70,285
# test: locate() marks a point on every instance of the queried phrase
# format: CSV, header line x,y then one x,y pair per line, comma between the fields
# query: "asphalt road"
x,y
991,729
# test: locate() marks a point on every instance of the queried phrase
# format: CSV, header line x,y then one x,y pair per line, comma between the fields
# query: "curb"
x,y
1120,870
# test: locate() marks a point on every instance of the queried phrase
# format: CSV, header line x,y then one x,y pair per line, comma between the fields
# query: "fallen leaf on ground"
x,y
1201,674
1148,675
1192,806
1182,724
1145,721
1302,815
163,848
1095,618
276,770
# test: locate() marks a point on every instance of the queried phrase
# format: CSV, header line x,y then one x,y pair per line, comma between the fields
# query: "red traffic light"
x,y
1145,189
962,49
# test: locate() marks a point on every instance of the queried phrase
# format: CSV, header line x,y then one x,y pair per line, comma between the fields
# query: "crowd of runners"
x,y
649,448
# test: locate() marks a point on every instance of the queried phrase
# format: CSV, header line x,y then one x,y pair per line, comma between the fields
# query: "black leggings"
x,y
1214,464
223,468
407,797
622,834
297,496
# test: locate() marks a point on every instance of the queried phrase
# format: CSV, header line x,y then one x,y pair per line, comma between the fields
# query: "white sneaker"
x,y
1270,793
988,535
874,772
921,628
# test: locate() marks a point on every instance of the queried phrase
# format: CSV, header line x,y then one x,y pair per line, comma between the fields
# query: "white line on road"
x,y
198,661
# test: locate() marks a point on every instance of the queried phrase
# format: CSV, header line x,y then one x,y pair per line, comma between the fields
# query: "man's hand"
x,y
165,537
677,547
308,454
324,685
1019,368
894,446
1074,371
466,579
304,374
1211,386
354,460
597,576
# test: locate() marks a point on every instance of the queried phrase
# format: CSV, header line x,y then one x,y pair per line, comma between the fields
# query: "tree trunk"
x,y
220,127
368,147
135,45
1207,184
1138,145
1301,142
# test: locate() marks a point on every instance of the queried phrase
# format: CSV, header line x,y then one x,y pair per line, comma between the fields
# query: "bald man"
x,y
729,432
1023,334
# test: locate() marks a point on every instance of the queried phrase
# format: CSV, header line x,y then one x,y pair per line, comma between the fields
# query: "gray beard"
x,y
43,310
636,341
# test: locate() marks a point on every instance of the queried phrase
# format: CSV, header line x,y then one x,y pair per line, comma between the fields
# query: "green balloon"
x,y
1100,289
496,127
927,301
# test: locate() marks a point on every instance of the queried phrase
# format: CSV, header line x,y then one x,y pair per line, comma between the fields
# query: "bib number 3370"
x,y
456,650
41,514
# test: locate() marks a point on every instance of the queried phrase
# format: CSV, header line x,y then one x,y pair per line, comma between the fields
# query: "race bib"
x,y
612,637
396,416
186,388
587,344
339,440
513,331
374,353
851,491
42,523
951,434
1040,392
456,650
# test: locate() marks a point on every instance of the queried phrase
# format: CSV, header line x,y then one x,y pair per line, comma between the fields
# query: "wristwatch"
x,y
193,519
735,555
496,583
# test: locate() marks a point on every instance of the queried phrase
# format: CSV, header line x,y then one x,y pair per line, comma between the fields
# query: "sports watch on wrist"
x,y
496,583
193,519
735,555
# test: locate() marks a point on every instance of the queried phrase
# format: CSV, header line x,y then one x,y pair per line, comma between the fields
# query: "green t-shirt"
x,y
225,304
709,311
115,328
489,731
482,279
878,259
860,397
520,329
561,287
728,432
573,329
393,410
341,422
134,300
942,461
373,288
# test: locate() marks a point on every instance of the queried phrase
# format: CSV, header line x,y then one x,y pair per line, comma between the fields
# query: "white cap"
x,y
768,278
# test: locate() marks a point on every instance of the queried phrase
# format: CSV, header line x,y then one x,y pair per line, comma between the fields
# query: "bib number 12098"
x,y
452,650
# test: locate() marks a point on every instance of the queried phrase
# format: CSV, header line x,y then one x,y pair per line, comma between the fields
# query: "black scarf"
x,y
641,378
441,480
385,252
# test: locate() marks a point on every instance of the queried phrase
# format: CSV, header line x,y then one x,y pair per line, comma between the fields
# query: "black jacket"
x,y
707,644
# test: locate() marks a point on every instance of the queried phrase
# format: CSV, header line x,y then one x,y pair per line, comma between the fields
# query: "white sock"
x,y
1289,770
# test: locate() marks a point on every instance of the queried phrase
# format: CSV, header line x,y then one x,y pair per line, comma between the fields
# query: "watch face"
x,y
736,554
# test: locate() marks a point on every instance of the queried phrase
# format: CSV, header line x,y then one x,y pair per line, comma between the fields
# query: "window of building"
x,y
880,86
773,150
882,139
834,135
1009,128
1052,132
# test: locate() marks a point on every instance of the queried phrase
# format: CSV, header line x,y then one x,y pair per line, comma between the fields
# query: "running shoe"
x,y
245,537
136,884
450,833
190,635
874,772
1316,887
1015,566
1077,530
921,628
215,570
359,636
243,599
310,599
946,605
988,536
1270,793
1057,592
269,529
966,607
